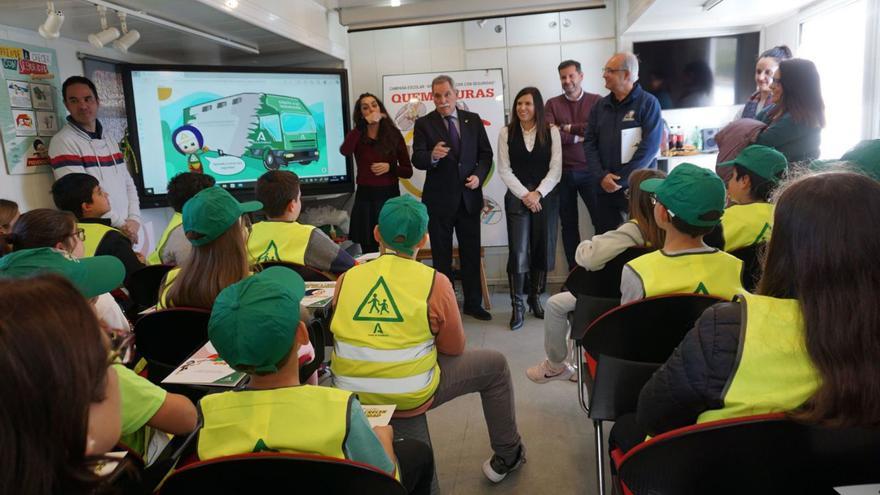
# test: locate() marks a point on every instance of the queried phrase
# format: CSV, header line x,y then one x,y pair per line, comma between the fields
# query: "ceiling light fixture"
x,y
139,14
51,28
481,23
128,37
711,4
232,4
107,34
395,3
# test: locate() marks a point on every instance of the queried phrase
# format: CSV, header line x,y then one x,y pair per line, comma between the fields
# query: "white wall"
x,y
526,48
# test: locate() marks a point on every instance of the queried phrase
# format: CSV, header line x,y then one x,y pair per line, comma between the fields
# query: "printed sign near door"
x,y
408,97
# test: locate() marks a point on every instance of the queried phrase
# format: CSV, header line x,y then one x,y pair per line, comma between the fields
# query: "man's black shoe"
x,y
478,313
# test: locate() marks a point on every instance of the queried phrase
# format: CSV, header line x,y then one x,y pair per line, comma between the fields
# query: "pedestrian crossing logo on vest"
x,y
760,237
261,446
378,305
270,254
701,289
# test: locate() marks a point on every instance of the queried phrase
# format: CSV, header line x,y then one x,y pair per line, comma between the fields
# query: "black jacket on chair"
x,y
444,181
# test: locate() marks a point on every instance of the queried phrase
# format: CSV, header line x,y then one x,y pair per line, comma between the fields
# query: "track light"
x,y
129,38
711,4
51,28
481,23
107,34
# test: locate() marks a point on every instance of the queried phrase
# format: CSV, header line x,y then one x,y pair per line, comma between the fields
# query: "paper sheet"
x,y
318,294
379,415
205,368
629,143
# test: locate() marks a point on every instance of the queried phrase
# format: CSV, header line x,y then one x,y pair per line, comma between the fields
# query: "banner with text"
x,y
408,97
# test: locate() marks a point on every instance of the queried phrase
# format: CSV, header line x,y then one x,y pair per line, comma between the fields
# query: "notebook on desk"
x,y
205,368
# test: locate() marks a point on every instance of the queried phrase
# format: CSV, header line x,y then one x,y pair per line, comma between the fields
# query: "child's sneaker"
x,y
496,469
544,372
574,375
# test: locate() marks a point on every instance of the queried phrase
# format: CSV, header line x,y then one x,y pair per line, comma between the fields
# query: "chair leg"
x,y
600,457
582,399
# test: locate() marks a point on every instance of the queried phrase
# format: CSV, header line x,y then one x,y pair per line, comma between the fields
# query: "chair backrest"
x,y
750,257
647,330
616,387
757,454
280,473
316,337
604,282
307,273
143,284
166,337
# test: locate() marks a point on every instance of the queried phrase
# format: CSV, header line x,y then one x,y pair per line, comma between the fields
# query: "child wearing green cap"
x,y
256,328
282,238
173,247
688,204
756,172
398,337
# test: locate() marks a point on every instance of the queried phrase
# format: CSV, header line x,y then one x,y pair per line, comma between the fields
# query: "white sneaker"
x,y
544,372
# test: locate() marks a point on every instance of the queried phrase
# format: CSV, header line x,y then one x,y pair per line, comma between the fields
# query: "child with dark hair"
x,y
756,171
688,205
282,238
82,195
8,215
173,247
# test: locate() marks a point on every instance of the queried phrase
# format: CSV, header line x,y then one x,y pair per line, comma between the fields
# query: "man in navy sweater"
x,y
623,134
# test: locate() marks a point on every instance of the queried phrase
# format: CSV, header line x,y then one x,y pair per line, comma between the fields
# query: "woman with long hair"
x,y
641,231
795,121
530,164
382,158
214,224
44,227
765,68
60,400
806,343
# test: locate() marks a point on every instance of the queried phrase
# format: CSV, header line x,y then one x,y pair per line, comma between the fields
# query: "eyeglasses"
x,y
605,70
653,200
79,234
121,346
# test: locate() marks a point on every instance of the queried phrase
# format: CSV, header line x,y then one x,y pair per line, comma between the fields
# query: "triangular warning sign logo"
x,y
760,238
262,447
701,289
270,254
378,305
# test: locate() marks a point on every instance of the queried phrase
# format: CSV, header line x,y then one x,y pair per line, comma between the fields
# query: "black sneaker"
x,y
477,312
496,469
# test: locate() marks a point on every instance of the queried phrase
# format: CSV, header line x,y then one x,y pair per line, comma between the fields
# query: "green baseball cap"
x,y
403,222
866,156
692,193
253,322
211,212
764,161
92,276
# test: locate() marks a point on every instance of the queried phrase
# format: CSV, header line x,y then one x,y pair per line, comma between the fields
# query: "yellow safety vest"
x,y
169,279
279,241
384,349
95,233
155,257
745,225
774,372
303,420
713,273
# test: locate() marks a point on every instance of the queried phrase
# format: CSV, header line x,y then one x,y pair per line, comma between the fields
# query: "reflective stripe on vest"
x,y
384,349
713,273
279,241
745,225
304,420
774,373
95,233
155,257
165,287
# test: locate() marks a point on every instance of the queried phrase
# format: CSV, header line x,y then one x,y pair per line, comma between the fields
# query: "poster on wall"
x,y
30,106
107,76
408,97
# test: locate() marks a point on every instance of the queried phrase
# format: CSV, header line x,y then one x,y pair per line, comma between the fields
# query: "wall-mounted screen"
x,y
235,124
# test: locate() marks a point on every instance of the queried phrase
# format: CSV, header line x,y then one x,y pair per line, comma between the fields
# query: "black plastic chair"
x,y
167,337
308,274
135,479
603,283
143,284
757,454
624,346
268,472
751,259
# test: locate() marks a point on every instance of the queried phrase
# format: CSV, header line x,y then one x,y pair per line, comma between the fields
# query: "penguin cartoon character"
x,y
188,141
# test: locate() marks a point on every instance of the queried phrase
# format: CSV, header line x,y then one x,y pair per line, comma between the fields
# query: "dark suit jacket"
x,y
444,182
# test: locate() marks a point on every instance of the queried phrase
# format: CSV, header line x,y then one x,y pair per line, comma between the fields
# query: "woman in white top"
x,y
530,164
640,231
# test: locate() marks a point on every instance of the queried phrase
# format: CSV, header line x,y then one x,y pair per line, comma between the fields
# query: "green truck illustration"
x,y
277,129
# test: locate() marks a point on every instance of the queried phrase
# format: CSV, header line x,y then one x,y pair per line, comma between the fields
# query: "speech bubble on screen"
x,y
225,165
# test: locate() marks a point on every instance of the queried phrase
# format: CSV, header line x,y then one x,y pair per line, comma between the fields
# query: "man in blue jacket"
x,y
623,134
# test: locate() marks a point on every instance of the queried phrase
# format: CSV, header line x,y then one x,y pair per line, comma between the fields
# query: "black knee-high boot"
x,y
534,300
517,282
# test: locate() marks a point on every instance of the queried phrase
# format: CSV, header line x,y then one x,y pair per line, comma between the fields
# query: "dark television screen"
x,y
699,72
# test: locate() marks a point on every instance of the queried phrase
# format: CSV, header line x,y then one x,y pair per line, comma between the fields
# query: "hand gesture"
x,y
440,151
379,168
472,182
532,201
373,118
130,229
608,184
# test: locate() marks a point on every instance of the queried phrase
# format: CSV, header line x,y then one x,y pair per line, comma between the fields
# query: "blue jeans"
x,y
572,184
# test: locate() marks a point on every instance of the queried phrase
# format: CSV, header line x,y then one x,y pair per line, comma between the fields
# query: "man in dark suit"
x,y
452,146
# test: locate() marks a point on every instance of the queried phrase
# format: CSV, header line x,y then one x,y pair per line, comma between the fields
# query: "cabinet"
x,y
534,29
485,33
533,66
590,24
592,56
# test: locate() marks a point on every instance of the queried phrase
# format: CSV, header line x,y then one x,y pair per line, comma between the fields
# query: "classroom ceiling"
x,y
665,15
164,43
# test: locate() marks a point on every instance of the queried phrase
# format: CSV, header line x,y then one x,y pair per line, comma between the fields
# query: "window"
x,y
296,122
221,104
272,126
236,101
835,41
206,108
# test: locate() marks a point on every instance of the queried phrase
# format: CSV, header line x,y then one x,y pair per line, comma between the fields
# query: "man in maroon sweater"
x,y
569,111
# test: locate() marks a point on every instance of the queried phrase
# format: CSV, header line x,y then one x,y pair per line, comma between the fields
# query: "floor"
x,y
556,432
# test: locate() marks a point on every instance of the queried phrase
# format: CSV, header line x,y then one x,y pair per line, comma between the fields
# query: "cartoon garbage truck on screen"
x,y
277,129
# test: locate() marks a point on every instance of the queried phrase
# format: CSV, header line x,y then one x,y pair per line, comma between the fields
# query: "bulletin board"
x,y
31,109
